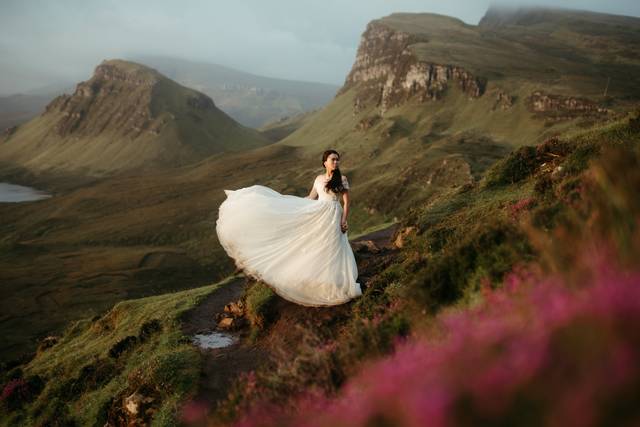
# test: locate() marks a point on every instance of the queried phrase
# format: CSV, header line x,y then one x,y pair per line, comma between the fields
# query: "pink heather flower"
x,y
194,412
15,392
517,208
568,352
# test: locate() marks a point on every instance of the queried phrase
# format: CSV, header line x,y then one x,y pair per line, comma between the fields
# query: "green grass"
x,y
464,240
260,302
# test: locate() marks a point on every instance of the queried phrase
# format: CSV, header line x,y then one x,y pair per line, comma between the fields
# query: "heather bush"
x,y
515,167
557,344
540,351
489,249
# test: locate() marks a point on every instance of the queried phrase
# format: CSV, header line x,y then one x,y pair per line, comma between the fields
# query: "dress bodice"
x,y
319,184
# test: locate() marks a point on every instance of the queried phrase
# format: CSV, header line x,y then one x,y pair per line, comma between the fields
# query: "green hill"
x,y
126,117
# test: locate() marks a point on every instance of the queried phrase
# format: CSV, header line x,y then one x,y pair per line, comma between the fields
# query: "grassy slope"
x,y
473,235
390,163
118,238
165,362
463,238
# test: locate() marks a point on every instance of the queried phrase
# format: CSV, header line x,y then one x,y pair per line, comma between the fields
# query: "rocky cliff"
x,y
388,73
545,59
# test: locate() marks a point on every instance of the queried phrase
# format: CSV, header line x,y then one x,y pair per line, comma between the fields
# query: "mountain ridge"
x,y
126,116
250,99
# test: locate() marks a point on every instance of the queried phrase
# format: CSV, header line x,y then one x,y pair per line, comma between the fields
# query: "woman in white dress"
x,y
296,245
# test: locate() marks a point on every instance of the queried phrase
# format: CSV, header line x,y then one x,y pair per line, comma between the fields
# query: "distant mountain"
x,y
127,116
21,107
250,99
285,126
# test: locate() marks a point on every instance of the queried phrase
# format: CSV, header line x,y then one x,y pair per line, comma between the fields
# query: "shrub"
x,y
149,328
515,167
15,393
492,248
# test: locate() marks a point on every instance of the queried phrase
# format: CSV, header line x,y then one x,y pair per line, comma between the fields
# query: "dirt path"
x,y
222,365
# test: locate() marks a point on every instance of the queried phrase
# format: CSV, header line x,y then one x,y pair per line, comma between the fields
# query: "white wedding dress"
x,y
293,244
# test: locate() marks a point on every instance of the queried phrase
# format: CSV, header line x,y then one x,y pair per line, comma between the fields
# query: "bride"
x,y
296,245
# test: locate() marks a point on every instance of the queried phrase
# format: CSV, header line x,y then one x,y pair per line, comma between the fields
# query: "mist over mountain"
x,y
250,99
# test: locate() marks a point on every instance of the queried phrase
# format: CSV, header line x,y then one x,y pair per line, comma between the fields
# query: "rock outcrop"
x,y
563,107
503,101
387,73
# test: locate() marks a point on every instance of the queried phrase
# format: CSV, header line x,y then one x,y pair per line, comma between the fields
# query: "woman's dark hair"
x,y
335,183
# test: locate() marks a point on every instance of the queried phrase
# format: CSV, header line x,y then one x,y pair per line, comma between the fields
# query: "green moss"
x,y
260,300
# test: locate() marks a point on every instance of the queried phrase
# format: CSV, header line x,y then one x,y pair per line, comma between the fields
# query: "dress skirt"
x,y
292,244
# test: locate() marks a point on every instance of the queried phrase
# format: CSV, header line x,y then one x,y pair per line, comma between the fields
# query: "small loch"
x,y
213,340
13,193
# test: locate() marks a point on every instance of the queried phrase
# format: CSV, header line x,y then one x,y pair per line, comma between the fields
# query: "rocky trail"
x,y
224,364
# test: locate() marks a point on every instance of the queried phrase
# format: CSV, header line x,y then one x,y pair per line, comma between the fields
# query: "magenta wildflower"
x,y
564,355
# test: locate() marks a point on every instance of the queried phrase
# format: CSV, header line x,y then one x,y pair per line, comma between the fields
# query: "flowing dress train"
x,y
293,244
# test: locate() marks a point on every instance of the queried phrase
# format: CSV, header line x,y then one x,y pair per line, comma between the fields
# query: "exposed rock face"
x,y
387,73
367,123
115,97
563,107
451,172
503,101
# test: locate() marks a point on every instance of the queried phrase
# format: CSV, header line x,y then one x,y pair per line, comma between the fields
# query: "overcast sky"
x,y
45,41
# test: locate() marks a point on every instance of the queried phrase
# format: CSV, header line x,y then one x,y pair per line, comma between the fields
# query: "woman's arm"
x,y
345,210
313,194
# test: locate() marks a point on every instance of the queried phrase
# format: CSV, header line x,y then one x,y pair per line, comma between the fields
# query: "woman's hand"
x,y
343,225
